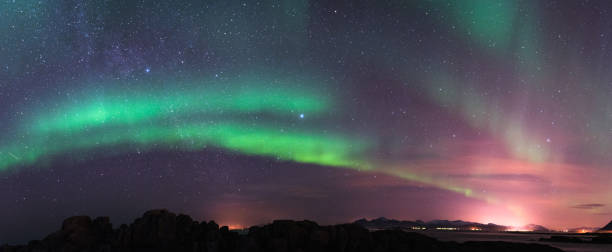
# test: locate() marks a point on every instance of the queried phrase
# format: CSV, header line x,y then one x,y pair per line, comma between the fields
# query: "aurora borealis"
x,y
190,120
249,111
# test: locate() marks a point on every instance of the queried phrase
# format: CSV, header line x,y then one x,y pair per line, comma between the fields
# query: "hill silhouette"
x,y
607,228
384,223
161,230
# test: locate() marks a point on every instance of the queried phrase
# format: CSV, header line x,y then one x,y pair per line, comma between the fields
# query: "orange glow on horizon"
x,y
518,229
235,226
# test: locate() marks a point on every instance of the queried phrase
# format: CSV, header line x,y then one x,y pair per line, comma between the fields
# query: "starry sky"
x,y
244,112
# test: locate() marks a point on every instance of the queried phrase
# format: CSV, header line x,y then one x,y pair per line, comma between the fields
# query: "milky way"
x,y
249,111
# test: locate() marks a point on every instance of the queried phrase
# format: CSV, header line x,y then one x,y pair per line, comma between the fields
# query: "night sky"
x,y
244,112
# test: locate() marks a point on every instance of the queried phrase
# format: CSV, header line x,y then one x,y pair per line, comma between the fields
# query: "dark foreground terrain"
x,y
160,230
591,238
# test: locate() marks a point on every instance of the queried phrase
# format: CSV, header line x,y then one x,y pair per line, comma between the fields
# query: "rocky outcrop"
x,y
160,230
78,233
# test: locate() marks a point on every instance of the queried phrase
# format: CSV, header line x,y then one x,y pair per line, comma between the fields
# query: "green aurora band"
x,y
129,109
194,119
175,120
252,140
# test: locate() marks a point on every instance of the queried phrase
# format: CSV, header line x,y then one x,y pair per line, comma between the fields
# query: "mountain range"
x,y
384,223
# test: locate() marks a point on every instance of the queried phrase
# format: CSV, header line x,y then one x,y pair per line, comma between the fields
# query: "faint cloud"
x,y
605,214
588,206
502,176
